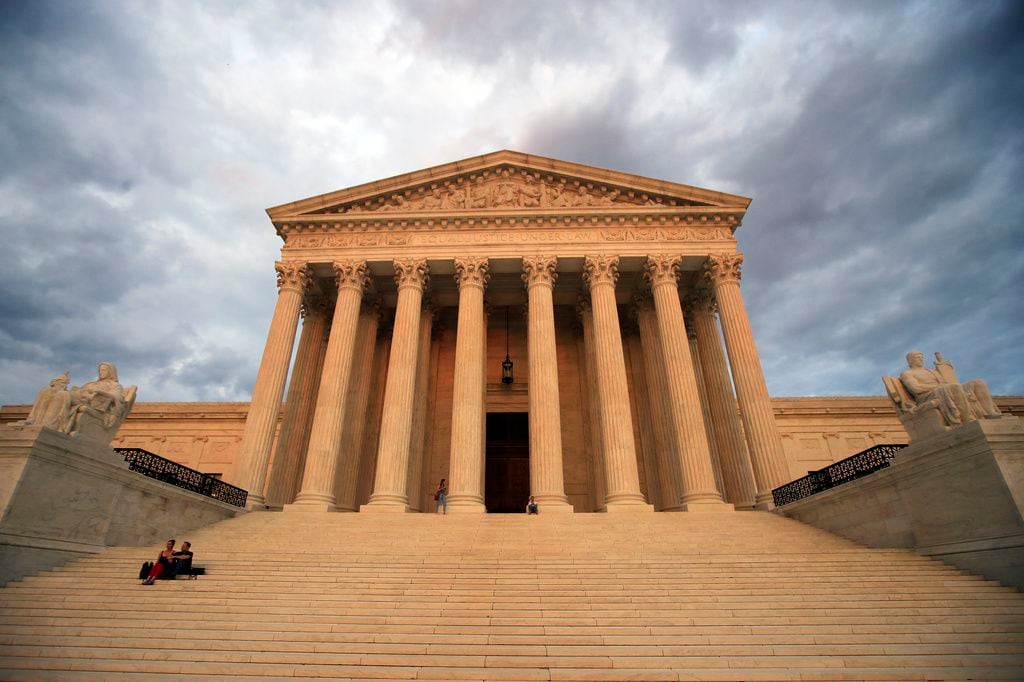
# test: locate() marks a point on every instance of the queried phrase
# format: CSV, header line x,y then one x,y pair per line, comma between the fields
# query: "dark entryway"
x,y
508,462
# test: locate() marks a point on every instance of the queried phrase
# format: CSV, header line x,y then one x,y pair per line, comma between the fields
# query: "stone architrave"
x,y
666,454
390,478
467,449
547,479
346,479
765,445
290,452
317,491
293,278
737,475
622,478
684,414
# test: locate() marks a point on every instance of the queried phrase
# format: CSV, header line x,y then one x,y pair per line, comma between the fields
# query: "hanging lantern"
x,y
506,366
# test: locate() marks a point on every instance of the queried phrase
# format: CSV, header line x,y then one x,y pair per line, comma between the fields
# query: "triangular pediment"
x,y
507,180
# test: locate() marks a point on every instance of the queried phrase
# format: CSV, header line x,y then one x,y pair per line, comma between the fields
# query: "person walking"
x,y
441,497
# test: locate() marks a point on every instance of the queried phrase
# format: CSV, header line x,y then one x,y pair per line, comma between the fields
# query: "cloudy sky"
x,y
141,142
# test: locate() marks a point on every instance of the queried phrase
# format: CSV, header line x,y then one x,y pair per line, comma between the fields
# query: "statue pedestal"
x,y
63,498
957,496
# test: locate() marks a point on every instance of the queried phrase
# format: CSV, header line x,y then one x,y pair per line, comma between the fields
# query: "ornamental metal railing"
x,y
843,471
155,466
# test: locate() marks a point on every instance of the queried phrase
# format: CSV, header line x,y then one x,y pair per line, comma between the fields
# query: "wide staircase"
x,y
689,596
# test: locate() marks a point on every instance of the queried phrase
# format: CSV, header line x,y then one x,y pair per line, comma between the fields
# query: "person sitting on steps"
x,y
531,506
181,561
162,563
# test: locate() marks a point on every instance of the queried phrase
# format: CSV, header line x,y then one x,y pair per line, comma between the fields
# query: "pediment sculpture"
x,y
92,411
507,188
930,401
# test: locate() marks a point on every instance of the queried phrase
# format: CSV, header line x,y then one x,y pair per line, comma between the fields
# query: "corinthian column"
x,y
389,493
547,482
290,454
418,448
737,476
317,490
666,450
684,414
622,479
467,454
346,478
293,278
766,452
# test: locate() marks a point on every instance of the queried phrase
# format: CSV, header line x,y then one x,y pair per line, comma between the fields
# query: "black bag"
x,y
144,571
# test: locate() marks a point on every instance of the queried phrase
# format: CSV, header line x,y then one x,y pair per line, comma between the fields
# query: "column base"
x,y
385,508
764,502
310,506
619,507
707,506
468,508
255,503
554,506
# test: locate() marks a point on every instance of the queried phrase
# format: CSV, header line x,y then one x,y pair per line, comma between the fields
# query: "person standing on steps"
x,y
441,497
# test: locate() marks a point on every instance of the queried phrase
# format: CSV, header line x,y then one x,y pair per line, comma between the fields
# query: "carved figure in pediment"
x,y
506,194
456,198
554,196
479,194
530,194
583,197
433,201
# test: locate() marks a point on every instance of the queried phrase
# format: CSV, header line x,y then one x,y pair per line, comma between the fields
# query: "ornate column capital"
x,y
472,272
540,270
642,300
315,306
701,301
411,272
582,306
600,270
293,274
662,269
725,268
351,274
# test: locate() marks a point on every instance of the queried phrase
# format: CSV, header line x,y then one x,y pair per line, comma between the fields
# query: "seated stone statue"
x,y
933,400
52,405
94,410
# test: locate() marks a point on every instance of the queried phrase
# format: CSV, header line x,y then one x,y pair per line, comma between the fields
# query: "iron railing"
x,y
155,466
843,471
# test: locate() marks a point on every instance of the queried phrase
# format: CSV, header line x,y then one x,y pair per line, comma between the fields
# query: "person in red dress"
x,y
162,562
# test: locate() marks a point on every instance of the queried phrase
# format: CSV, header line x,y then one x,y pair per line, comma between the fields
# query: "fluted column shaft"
x,y
622,478
293,279
346,478
684,412
737,476
702,392
317,489
669,483
389,493
467,451
766,454
547,480
418,447
589,388
290,453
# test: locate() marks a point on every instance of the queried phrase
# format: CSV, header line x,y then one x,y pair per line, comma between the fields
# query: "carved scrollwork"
x,y
662,269
539,270
351,274
701,301
474,272
600,270
725,268
642,300
411,272
293,274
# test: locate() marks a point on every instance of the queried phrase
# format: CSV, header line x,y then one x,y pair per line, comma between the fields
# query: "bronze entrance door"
x,y
507,485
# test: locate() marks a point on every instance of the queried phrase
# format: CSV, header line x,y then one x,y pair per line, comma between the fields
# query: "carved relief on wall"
x,y
507,188
680,234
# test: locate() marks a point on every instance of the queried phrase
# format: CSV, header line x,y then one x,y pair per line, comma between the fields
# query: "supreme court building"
x,y
635,379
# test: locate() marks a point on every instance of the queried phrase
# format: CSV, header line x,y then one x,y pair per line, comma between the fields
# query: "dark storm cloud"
x,y
881,143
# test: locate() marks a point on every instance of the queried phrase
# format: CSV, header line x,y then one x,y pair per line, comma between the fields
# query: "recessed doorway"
x,y
507,486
